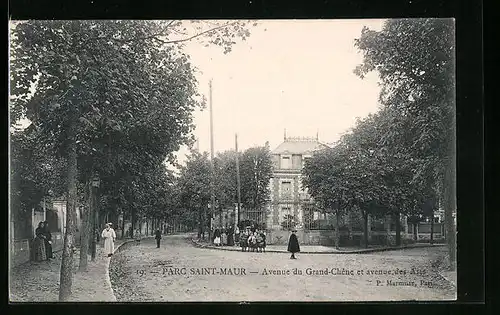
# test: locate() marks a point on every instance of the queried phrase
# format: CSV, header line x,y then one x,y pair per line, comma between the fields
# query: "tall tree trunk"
x,y
85,231
94,235
200,224
66,274
449,195
220,217
388,229
397,218
449,206
365,228
123,225
132,230
97,215
204,218
349,228
337,229
415,231
432,228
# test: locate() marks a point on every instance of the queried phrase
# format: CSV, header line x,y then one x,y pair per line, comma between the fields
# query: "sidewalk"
x,y
315,249
39,281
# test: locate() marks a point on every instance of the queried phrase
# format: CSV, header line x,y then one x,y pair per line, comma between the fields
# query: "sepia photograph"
x,y
232,160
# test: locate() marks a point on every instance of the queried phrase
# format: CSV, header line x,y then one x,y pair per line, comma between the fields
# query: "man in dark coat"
x,y
230,236
48,240
158,238
293,244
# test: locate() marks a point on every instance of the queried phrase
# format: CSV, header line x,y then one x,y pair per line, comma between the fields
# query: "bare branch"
x,y
156,35
199,34
170,23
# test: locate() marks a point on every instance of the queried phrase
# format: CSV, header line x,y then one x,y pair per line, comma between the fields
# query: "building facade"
x,y
22,232
290,204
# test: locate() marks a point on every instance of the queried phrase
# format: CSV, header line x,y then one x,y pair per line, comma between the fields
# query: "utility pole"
x,y
238,183
93,245
212,175
44,209
95,183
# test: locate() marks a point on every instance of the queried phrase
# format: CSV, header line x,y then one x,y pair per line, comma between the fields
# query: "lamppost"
x,y
95,185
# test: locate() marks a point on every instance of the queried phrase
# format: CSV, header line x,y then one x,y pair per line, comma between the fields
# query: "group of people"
x,y
223,237
253,240
42,244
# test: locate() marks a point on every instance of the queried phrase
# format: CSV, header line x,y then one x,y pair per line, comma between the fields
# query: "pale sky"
x,y
289,74
295,74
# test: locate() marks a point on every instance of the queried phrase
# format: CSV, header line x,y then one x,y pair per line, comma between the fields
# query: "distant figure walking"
x,y
293,244
109,236
158,238
39,251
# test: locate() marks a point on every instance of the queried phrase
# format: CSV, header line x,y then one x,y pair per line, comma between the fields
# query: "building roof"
x,y
299,146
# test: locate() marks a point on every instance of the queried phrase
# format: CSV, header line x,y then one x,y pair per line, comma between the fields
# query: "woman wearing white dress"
x,y
217,236
109,236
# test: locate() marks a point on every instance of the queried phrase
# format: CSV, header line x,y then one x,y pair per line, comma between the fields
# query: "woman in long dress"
x,y
39,251
48,240
109,236
217,237
293,244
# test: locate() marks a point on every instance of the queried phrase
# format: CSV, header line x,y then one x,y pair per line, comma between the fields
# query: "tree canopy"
x,y
400,159
415,60
112,98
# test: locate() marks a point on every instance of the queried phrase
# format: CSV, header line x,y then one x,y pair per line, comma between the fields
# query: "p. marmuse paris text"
x,y
171,271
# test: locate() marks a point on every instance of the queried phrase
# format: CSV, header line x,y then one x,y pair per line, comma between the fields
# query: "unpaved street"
x,y
181,272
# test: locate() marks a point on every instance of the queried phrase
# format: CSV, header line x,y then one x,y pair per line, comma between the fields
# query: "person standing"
x,y
230,236
237,235
39,252
293,244
223,237
48,240
252,241
109,236
244,241
217,237
158,238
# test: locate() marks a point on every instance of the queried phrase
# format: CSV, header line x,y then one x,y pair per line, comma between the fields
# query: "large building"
x,y
290,204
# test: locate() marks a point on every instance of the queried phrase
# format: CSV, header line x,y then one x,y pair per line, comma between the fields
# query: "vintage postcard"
x,y
232,160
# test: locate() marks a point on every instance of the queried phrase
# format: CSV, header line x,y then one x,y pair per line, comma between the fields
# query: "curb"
x,y
360,251
108,263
